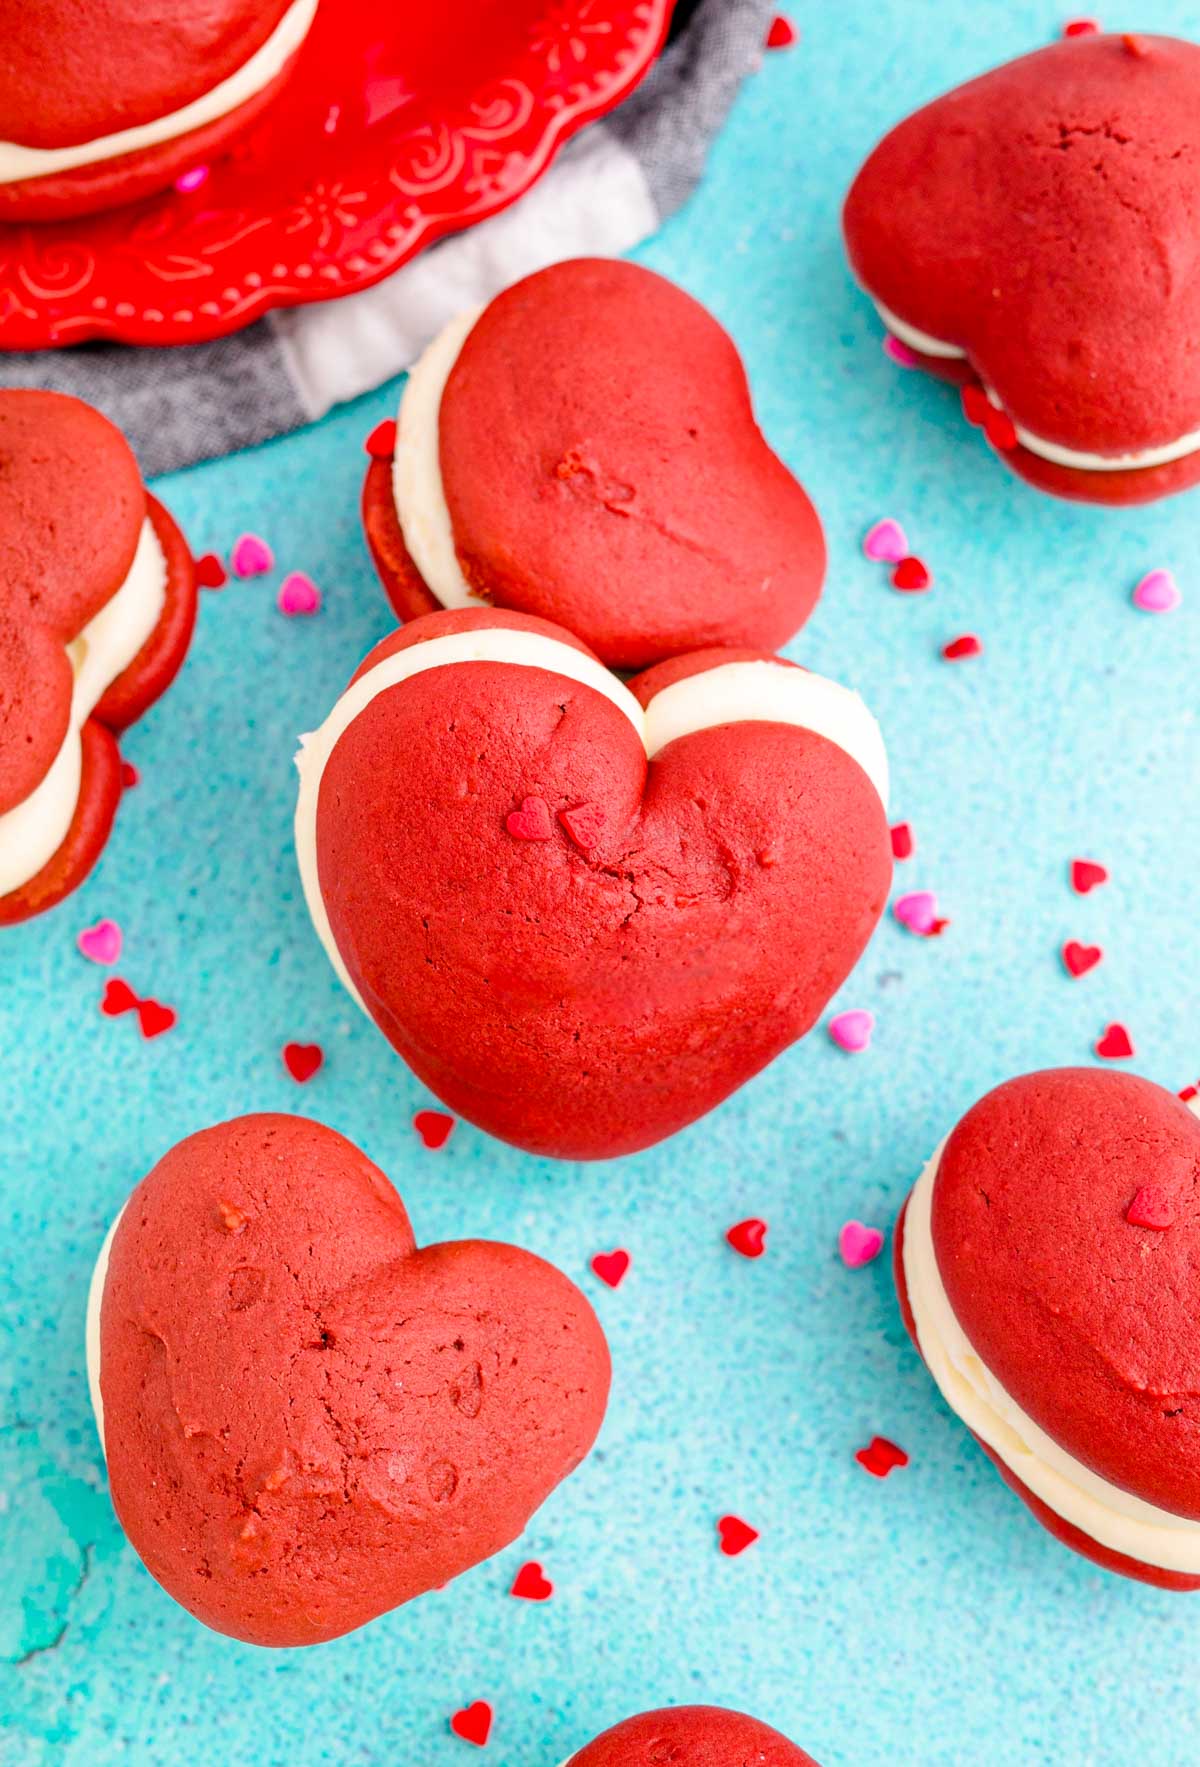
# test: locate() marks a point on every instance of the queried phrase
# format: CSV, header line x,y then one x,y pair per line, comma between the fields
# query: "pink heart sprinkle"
x,y
917,911
886,542
251,557
851,1030
101,943
298,594
900,353
859,1244
1157,593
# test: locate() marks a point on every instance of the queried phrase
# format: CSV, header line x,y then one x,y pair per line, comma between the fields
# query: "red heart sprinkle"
x,y
210,572
129,776
998,428
976,405
1151,1207
1080,27
1134,45
531,822
782,33
735,1535
881,1456
473,1723
610,1267
530,1584
1086,874
911,574
302,1060
1116,1043
118,997
155,1018
433,1127
967,645
1188,1093
903,844
749,1238
584,824
381,443
1078,959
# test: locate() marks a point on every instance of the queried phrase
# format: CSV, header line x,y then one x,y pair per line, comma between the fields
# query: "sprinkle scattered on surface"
x,y
969,644
251,556
1115,1045
911,575
885,542
302,1060
749,1237
734,1535
904,843
1078,959
298,595
434,1127
859,1244
531,1583
473,1723
611,1267
852,1030
1157,593
1087,875
1151,1207
101,943
881,1457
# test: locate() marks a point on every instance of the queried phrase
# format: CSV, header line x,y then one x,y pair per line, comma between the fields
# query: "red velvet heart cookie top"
x,y
308,1420
579,949
1043,219
1085,1318
603,469
70,73
72,505
692,1736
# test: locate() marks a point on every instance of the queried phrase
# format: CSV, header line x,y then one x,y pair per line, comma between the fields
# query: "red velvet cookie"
x,y
1032,235
1048,1264
580,948
692,1736
100,104
586,451
97,605
307,1419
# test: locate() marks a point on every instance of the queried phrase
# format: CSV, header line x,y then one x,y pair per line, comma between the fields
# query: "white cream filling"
x,y
92,1326
1051,451
1106,1513
730,693
18,162
33,830
417,488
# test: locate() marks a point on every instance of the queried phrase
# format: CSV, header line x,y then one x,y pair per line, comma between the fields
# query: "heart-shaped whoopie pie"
x,y
1048,1263
97,606
307,1419
691,1736
1032,235
584,913
585,450
100,103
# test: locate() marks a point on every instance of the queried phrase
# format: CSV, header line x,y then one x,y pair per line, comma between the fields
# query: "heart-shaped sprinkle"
x,y
859,1244
531,1584
298,595
900,353
881,1456
473,1723
381,443
1157,593
903,843
967,645
782,33
1078,959
101,943
584,824
886,542
1189,1093
1086,874
610,1267
433,1127
911,575
1116,1044
851,1030
917,913
999,430
129,776
1080,27
749,1237
976,405
155,1018
302,1060
118,997
735,1535
210,572
532,822
1151,1207
251,557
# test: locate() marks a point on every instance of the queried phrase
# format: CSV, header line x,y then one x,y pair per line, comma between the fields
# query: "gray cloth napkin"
x,y
608,189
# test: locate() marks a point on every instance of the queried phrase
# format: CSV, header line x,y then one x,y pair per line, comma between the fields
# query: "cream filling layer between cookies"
x,y
18,162
92,1326
1051,451
33,830
417,487
731,693
1113,1517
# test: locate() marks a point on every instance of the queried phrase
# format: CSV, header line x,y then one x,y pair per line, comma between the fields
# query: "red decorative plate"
x,y
401,123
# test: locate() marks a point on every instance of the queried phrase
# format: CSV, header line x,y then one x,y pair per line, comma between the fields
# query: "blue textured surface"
x,y
924,1619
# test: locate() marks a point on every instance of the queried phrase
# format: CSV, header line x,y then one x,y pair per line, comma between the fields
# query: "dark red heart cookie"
x,y
91,567
1055,1306
307,1419
1032,233
692,1736
99,106
594,460
588,1002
